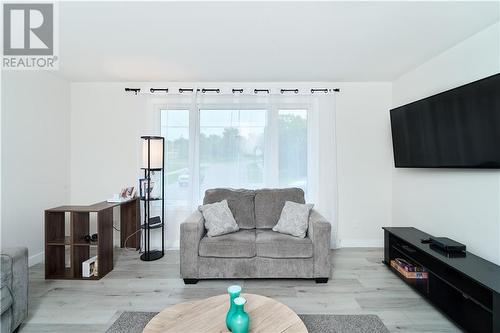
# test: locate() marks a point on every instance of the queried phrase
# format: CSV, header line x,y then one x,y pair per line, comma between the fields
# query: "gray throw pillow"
x,y
218,219
294,219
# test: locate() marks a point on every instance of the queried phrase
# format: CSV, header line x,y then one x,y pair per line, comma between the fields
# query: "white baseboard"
x,y
361,243
36,258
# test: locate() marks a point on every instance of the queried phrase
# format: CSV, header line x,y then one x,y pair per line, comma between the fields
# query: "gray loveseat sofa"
x,y
255,251
14,288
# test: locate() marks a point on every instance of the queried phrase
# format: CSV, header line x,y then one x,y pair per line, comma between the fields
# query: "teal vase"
x,y
240,321
234,292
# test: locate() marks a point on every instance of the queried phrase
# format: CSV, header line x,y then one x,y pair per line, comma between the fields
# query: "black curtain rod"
x,y
255,91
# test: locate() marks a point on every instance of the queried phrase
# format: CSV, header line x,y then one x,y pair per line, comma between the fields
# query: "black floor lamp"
x,y
153,161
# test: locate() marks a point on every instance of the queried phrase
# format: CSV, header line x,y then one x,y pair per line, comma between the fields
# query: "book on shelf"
x,y
409,275
408,266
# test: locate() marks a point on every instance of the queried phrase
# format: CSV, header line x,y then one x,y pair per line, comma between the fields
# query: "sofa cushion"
x,y
272,244
269,204
240,244
241,203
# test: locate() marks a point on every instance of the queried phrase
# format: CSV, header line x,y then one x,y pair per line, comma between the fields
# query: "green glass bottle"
x,y
234,292
240,321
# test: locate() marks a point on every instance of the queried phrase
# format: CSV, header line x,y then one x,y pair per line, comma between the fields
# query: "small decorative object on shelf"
x,y
126,194
240,321
152,161
90,238
234,292
89,267
154,222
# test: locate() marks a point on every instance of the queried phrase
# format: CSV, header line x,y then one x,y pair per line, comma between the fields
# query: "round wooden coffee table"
x,y
209,315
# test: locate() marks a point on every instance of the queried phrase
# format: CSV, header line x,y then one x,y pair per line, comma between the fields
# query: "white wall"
x,y
106,124
364,166
460,204
472,59
35,155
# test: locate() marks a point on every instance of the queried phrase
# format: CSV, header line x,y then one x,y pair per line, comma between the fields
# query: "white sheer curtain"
x,y
246,140
326,193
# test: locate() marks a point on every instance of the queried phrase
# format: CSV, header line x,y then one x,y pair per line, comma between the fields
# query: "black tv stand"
x,y
466,289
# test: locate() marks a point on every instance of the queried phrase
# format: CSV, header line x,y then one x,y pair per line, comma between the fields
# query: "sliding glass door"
x,y
175,130
232,144
234,149
292,136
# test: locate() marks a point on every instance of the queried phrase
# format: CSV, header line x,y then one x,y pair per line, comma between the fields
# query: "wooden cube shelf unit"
x,y
56,241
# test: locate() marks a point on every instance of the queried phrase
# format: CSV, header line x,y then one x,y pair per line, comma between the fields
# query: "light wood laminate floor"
x,y
360,284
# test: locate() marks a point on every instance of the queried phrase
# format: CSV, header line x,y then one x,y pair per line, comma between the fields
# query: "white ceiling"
x,y
260,41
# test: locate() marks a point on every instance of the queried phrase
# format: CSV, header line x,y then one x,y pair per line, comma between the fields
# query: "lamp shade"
x,y
155,152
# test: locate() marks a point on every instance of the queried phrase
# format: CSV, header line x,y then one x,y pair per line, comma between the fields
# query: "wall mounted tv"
x,y
459,128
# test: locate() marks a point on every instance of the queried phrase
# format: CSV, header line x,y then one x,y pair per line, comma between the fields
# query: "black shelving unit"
x,y
153,254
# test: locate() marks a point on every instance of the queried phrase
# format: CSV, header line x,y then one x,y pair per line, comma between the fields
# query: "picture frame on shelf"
x,y
145,191
128,193
90,268
125,194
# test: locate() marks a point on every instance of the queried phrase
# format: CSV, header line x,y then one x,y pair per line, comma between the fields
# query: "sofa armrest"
x,y
319,231
14,272
192,230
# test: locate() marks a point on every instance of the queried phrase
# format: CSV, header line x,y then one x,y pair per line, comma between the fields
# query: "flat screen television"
x,y
459,128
